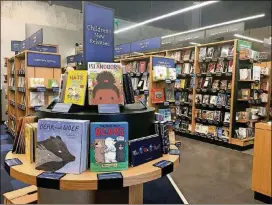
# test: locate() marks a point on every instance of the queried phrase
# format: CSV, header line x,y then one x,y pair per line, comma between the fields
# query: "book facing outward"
x,y
52,83
62,145
105,83
157,95
35,82
36,99
109,146
76,85
159,73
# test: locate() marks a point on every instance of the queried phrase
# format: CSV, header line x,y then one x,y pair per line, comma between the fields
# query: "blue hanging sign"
x,y
75,58
36,39
15,45
122,49
144,45
161,61
24,45
43,60
43,48
98,31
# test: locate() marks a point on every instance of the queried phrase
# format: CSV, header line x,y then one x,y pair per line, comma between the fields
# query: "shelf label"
x,y
43,60
43,48
24,45
74,58
62,107
15,45
122,49
166,103
55,89
36,38
98,29
108,108
168,81
146,92
41,89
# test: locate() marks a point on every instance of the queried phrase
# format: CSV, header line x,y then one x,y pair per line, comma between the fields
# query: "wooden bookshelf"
x,y
17,107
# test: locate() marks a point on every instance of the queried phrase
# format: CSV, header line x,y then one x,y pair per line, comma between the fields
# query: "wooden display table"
x,y
262,162
83,188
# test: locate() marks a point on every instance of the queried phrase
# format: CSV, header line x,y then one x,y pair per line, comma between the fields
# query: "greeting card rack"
x,y
20,69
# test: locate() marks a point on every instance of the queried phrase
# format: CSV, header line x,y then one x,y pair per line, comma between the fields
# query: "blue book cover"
x,y
145,149
166,113
61,145
109,146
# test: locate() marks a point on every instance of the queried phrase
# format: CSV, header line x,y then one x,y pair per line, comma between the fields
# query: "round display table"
x,y
86,188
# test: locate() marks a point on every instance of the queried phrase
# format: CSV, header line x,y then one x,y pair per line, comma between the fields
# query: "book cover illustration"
x,y
220,66
221,99
224,51
145,149
157,95
159,73
230,66
171,73
76,87
109,146
62,145
36,99
215,84
203,68
206,99
210,52
105,83
52,83
202,53
198,98
178,69
169,94
213,100
227,117
166,113
177,84
223,84
35,82
217,116
231,50
186,56
217,51
142,66
211,67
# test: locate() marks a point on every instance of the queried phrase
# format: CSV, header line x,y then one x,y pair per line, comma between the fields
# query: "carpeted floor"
x,y
159,191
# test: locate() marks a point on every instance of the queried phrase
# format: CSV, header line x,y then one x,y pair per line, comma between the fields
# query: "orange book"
x,y
157,95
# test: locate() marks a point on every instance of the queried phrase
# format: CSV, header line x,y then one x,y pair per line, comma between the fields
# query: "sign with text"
x,y
36,38
98,31
161,61
75,58
108,108
43,60
243,44
24,45
43,48
15,45
146,44
225,30
190,37
122,49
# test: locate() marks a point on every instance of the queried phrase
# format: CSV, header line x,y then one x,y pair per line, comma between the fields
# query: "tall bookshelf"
x,y
19,102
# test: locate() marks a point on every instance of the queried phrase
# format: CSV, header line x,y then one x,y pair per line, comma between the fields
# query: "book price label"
x,y
13,162
51,175
108,108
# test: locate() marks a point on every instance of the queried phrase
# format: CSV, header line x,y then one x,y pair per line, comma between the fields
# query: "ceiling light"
x,y
215,25
248,38
166,15
193,43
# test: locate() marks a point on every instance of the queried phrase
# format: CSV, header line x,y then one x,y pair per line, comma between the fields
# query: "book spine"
x,y
126,89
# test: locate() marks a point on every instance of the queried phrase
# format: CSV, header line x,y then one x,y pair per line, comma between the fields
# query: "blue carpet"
x,y
159,191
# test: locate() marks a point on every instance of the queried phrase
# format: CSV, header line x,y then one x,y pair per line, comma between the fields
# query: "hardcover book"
x,y
210,52
211,67
109,146
35,82
202,53
223,84
157,95
142,66
186,56
145,149
76,87
105,83
62,145
52,83
171,73
215,84
224,51
159,73
36,99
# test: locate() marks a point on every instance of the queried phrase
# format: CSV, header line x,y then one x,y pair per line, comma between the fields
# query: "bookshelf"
x,y
19,90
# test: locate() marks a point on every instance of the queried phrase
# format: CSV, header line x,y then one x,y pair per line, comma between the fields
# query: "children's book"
x,y
159,73
36,99
210,52
211,67
142,66
35,82
157,95
109,146
169,94
171,73
76,87
178,69
166,113
105,83
186,56
224,51
52,83
202,52
62,145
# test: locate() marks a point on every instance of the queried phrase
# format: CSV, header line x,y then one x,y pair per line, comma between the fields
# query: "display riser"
x,y
215,142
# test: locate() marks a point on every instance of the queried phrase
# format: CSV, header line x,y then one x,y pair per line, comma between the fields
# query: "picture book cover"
x,y
171,73
36,99
211,67
52,83
220,66
186,56
177,84
35,82
213,100
203,68
145,149
105,83
217,51
76,87
169,94
210,52
142,66
62,145
166,113
157,95
178,69
159,73
224,51
109,146
202,52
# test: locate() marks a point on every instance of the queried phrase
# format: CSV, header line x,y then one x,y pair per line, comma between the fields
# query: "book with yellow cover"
x,y
182,83
29,142
75,91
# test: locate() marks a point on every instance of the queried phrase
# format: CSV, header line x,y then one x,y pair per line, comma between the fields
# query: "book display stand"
x,y
21,95
92,187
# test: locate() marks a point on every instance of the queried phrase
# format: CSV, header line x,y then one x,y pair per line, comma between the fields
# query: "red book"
x,y
142,67
157,95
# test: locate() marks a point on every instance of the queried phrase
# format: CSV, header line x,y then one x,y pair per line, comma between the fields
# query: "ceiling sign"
x,y
190,37
225,30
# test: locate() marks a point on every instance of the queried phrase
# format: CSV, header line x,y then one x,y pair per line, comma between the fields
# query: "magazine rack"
x,y
86,188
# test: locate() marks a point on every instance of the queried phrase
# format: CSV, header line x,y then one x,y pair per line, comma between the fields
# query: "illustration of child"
x,y
105,91
76,94
70,93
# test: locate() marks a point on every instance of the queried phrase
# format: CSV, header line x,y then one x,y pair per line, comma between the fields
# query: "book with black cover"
x,y
210,52
145,149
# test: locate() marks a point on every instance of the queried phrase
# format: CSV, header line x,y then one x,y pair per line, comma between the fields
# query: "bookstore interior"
x,y
180,118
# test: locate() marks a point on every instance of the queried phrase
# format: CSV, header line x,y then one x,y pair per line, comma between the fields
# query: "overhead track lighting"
x,y
248,38
215,25
196,6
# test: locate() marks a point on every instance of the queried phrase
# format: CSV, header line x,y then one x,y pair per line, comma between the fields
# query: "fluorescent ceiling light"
x,y
248,38
193,43
215,25
166,15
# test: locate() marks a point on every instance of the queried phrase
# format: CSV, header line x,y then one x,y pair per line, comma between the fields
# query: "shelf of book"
x,y
21,96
